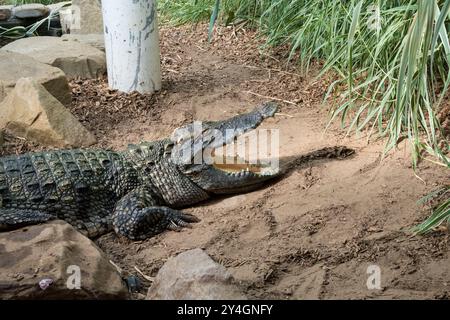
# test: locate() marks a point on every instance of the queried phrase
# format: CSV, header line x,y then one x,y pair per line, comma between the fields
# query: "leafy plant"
x,y
441,212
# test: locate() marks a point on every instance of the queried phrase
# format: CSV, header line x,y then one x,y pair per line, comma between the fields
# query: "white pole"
x,y
132,45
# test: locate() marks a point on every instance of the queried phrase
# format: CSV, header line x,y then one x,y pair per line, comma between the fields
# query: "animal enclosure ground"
x,y
311,234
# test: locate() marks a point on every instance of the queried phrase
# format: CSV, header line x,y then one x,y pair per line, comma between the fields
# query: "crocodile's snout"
x,y
268,109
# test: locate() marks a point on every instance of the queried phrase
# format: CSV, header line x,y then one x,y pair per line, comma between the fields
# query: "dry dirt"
x,y
311,234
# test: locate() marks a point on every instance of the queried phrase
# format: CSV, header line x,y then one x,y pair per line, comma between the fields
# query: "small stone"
x,y
5,12
32,10
45,283
18,276
193,275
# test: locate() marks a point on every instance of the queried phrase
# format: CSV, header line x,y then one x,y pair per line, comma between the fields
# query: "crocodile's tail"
x,y
336,152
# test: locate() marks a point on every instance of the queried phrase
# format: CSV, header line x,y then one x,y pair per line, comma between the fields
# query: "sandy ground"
x,y
312,234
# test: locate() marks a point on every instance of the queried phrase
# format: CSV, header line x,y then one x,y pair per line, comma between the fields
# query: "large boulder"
x,y
54,261
74,58
30,11
91,19
15,66
94,40
193,275
32,112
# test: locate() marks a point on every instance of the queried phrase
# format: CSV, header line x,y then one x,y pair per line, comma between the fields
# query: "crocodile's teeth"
x,y
269,171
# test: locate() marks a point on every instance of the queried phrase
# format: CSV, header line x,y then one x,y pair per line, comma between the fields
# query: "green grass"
x,y
181,12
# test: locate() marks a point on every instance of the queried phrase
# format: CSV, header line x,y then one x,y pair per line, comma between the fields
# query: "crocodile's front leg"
x,y
138,216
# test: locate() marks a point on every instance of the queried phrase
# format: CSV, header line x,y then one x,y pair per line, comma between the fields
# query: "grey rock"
x,y
74,58
14,66
193,275
43,262
94,40
91,19
32,10
5,12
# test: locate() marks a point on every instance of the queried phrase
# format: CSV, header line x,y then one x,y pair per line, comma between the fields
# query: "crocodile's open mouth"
x,y
236,165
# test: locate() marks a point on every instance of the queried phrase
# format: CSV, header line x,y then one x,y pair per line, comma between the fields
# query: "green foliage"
x,y
213,19
184,11
441,212
392,58
21,31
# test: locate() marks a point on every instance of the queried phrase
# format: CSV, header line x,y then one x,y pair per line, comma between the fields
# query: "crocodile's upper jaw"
x,y
237,176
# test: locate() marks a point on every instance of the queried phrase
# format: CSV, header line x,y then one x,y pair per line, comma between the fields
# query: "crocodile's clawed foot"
x,y
180,220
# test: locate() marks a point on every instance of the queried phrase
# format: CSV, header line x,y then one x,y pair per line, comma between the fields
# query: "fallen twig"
x,y
283,114
202,49
174,71
119,269
151,279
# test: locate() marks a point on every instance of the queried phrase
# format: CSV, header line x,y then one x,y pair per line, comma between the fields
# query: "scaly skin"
x,y
132,192
95,190
135,192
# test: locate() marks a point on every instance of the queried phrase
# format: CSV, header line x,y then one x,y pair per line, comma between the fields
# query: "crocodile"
x,y
138,192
